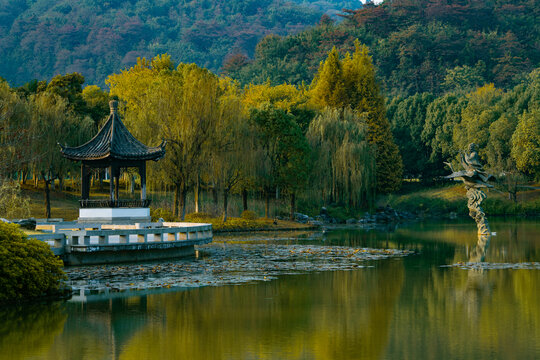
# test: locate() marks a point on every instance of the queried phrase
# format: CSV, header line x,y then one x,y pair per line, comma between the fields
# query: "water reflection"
x,y
30,330
479,252
477,287
407,307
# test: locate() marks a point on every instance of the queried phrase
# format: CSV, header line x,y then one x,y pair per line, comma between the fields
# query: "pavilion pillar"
x,y
111,181
116,183
142,173
85,186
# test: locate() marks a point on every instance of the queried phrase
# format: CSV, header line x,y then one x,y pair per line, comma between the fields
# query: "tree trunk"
x,y
36,181
101,175
183,194
293,205
513,196
176,199
225,203
196,195
267,203
244,199
60,183
24,175
47,198
215,195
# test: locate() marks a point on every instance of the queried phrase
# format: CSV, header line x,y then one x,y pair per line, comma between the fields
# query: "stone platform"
x,y
80,243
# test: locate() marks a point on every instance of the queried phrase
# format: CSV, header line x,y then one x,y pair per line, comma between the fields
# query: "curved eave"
x,y
154,153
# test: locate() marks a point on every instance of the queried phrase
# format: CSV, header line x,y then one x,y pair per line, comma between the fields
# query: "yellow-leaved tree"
x,y
181,105
351,82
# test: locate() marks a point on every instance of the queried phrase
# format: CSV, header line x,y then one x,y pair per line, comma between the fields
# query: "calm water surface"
x,y
429,305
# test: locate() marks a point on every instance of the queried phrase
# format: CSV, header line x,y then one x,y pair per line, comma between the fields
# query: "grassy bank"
x,y
65,204
443,201
433,201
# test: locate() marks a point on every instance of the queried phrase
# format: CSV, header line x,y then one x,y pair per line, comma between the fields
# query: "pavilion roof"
x,y
114,141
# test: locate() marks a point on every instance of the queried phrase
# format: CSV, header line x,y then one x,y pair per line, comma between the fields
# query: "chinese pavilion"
x,y
114,147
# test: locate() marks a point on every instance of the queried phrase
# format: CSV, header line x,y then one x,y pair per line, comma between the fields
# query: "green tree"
x,y
285,97
526,143
69,87
481,111
465,78
408,119
282,152
442,115
365,97
97,103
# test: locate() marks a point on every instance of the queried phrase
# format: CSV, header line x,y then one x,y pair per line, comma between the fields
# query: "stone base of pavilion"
x,y
86,243
114,215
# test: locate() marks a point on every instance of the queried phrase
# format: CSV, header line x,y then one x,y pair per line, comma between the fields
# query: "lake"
x,y
304,296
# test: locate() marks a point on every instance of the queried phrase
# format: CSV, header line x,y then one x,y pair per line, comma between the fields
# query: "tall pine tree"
x,y
351,83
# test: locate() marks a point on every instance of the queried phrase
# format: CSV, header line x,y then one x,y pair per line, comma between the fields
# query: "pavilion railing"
x,y
107,203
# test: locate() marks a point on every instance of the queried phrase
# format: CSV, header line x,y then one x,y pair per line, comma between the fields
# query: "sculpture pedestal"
x,y
475,197
114,215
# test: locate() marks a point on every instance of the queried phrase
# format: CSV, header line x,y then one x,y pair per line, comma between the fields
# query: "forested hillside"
x,y
40,39
417,45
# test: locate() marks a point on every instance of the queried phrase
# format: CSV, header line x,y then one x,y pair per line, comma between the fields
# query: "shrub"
x,y
28,268
198,217
249,215
157,213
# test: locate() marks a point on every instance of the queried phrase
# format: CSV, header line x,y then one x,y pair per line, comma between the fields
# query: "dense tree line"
x,y
38,115
418,46
430,130
39,39
268,139
264,138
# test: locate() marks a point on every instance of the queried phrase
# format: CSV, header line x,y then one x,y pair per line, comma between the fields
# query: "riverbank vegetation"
x,y
337,115
450,201
222,138
28,268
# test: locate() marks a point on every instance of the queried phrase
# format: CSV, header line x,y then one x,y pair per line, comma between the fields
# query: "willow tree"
x,y
344,161
14,131
52,120
230,150
351,82
180,105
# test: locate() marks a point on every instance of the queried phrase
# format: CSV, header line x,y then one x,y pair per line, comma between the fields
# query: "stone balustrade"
x,y
71,237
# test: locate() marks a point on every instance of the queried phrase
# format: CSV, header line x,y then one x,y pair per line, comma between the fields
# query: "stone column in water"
x,y
475,197
475,178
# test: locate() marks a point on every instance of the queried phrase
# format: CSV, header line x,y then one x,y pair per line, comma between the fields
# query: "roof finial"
x,y
113,105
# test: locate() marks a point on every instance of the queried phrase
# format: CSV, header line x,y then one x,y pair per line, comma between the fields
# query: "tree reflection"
x,y
333,315
29,330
